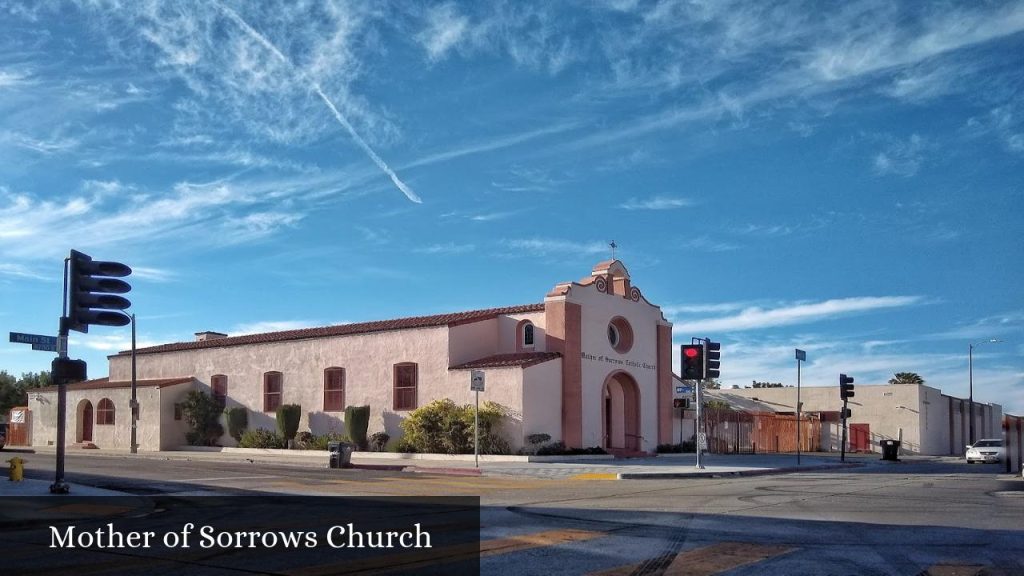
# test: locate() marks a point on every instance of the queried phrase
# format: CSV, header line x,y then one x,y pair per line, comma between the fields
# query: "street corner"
x,y
30,503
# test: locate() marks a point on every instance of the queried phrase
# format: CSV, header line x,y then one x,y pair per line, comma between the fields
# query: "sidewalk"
x,y
664,466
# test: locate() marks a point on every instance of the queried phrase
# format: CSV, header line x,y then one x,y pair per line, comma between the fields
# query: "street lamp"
x,y
970,378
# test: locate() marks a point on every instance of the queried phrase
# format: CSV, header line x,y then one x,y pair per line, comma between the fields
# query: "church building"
x,y
590,365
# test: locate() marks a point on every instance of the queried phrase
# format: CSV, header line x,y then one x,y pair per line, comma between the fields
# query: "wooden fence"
x,y
732,432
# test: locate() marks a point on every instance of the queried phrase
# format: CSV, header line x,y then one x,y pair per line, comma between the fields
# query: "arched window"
x,y
105,412
272,388
334,389
406,377
526,336
219,387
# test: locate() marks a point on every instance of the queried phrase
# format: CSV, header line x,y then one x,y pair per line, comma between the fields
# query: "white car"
x,y
986,450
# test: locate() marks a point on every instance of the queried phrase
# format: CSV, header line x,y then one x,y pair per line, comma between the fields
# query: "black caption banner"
x,y
288,535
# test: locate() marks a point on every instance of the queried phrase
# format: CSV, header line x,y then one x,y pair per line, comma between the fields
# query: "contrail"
x,y
315,86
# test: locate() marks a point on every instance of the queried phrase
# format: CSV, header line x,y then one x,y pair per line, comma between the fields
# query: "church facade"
x,y
590,365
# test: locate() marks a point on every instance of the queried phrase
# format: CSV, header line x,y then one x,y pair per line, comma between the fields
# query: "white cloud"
x,y
273,326
655,203
447,248
901,158
755,318
445,29
545,246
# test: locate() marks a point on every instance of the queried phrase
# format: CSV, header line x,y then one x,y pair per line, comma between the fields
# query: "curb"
x,y
443,471
736,473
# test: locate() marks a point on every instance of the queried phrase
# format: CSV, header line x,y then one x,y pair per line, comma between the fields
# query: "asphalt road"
x,y
912,517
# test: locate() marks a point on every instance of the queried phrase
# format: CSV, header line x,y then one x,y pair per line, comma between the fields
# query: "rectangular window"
x,y
405,386
219,386
177,411
271,391
334,389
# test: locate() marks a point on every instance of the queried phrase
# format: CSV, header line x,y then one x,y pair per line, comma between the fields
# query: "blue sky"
x,y
846,179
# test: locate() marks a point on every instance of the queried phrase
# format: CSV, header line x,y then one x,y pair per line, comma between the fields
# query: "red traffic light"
x,y
690,352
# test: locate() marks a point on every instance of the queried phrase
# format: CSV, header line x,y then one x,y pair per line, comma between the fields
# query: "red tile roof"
x,y
520,359
453,319
104,383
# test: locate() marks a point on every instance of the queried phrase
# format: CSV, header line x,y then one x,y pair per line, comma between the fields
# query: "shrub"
x,y
288,417
357,422
202,412
304,440
260,438
559,449
321,442
443,427
378,441
688,446
238,421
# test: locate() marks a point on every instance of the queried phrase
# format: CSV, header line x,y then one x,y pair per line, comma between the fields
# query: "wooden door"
x,y
860,437
87,422
19,424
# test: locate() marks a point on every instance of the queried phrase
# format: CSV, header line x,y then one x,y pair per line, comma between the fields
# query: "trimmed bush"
x,y
238,421
288,417
260,438
688,446
357,422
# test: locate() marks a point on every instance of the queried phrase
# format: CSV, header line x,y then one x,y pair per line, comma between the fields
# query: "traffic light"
x,y
693,362
681,403
67,371
91,290
845,386
713,354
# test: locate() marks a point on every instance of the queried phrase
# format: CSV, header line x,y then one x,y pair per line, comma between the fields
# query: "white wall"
x,y
639,362
542,399
149,434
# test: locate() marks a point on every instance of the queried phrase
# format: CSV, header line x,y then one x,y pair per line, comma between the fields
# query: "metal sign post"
x,y
800,357
476,384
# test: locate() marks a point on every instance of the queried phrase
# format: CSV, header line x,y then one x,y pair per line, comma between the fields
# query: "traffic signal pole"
x,y
89,298
59,486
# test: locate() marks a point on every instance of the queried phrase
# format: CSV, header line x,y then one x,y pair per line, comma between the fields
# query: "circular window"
x,y
620,335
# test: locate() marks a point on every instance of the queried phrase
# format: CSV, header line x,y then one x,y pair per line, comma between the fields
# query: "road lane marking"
x,y
595,476
709,560
263,477
448,554
954,570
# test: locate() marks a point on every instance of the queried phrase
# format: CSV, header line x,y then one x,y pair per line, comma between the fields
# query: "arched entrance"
x,y
621,413
83,426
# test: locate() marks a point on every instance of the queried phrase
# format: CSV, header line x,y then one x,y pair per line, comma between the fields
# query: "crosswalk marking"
x,y
955,570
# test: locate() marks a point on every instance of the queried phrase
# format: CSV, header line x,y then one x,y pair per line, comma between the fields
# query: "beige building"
x,y
928,421
590,365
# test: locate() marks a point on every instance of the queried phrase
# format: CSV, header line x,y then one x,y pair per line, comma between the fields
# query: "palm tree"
x,y
907,378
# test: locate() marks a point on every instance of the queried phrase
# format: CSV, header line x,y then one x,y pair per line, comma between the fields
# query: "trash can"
x,y
340,454
891,450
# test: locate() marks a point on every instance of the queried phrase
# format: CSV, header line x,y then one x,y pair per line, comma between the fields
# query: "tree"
x,y
709,384
14,392
202,414
906,378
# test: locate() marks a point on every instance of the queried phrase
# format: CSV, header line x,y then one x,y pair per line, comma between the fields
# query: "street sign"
x,y
801,355
684,389
38,341
702,441
476,382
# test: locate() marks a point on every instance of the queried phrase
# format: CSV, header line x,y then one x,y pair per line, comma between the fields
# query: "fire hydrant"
x,y
17,472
